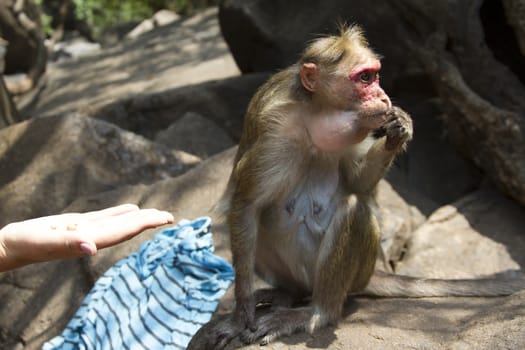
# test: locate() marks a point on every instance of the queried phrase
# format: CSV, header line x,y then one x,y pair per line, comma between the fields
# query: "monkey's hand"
x,y
397,128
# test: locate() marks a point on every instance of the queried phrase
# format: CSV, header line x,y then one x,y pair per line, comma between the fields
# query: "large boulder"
x,y
48,162
478,235
432,173
43,297
473,59
221,101
268,35
195,134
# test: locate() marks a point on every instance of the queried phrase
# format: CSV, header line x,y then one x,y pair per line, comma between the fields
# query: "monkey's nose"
x,y
387,102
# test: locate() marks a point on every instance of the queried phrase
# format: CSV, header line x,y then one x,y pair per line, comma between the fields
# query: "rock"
x,y
74,48
432,173
430,324
224,102
195,134
27,295
515,12
479,235
43,297
143,27
466,322
159,19
481,91
397,221
268,35
188,196
165,17
48,162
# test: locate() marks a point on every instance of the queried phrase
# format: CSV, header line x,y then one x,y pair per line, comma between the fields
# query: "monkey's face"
x,y
364,95
349,100
351,87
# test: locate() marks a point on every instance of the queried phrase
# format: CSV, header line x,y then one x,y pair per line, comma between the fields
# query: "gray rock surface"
x,y
195,134
480,235
45,163
221,101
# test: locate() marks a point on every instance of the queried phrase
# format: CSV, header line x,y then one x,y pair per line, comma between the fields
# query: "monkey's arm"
x,y
242,221
392,138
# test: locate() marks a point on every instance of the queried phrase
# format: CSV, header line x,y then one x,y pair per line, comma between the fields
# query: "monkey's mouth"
x,y
376,119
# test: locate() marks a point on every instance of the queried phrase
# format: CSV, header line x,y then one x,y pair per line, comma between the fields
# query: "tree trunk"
x,y
20,26
476,62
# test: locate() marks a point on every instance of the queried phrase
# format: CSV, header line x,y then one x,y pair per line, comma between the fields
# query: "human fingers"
x,y
112,230
108,212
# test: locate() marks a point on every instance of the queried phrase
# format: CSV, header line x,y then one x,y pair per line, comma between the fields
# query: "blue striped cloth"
x,y
156,298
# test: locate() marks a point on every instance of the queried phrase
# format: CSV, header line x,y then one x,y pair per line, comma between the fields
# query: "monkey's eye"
x,y
368,76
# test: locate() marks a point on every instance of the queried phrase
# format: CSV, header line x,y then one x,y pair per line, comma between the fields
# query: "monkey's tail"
x,y
390,285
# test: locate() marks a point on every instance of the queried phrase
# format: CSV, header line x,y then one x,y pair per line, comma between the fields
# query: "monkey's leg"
x,y
345,263
217,333
243,221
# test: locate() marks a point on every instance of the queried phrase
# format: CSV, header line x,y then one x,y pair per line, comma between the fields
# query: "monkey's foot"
x,y
278,323
274,297
216,334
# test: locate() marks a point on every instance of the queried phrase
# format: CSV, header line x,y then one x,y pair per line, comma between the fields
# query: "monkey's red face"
x,y
372,101
349,104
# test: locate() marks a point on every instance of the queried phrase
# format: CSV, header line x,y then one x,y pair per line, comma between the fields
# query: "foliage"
x,y
46,20
99,14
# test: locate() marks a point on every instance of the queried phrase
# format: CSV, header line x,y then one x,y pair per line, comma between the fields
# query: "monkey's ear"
x,y
309,75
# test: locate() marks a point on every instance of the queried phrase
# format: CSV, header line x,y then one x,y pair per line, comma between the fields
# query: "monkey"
x,y
317,138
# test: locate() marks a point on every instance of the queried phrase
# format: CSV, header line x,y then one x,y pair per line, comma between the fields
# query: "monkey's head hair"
x,y
329,50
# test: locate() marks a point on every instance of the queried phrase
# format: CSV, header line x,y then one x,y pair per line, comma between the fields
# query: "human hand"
x,y
74,234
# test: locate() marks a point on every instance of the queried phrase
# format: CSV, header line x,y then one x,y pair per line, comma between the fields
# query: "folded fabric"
x,y
156,298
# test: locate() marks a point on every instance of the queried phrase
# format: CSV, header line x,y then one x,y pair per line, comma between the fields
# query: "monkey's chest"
x,y
309,208
293,228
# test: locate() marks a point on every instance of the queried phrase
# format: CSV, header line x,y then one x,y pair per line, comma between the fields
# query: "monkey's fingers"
x,y
396,137
280,322
392,143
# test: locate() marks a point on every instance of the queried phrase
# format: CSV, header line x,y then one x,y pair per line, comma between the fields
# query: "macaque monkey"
x,y
317,139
